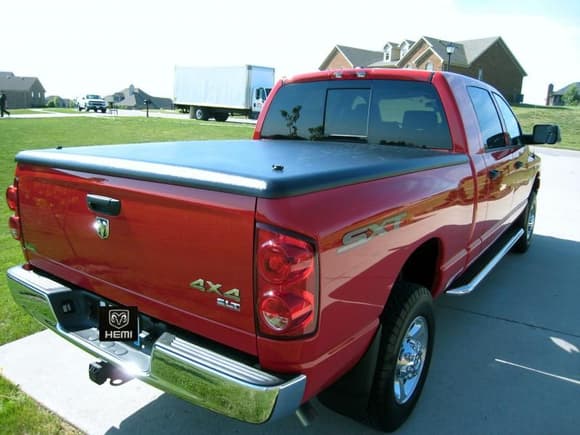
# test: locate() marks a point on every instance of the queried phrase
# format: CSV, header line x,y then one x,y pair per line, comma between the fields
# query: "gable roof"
x,y
355,56
360,57
476,47
466,52
135,97
440,48
565,88
14,83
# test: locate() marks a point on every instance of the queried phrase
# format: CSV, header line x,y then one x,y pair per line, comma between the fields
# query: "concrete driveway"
x,y
506,361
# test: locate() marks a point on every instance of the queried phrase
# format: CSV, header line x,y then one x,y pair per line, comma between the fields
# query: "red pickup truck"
x,y
251,276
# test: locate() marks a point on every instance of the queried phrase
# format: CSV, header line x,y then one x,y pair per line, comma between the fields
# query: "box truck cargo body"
x,y
217,92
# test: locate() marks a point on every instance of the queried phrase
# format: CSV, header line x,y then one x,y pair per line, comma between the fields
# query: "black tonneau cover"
x,y
261,168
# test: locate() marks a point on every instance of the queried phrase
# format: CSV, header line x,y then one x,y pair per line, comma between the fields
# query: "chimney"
x,y
549,96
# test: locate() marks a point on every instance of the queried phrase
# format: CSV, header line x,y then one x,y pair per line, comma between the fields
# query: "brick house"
x,y
487,59
21,92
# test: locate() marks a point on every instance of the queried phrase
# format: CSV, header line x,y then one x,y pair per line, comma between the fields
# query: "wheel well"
x,y
421,267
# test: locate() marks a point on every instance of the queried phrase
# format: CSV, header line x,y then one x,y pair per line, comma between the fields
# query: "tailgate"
x,y
181,254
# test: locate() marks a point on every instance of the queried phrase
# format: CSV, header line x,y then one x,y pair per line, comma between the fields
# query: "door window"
x,y
488,118
511,123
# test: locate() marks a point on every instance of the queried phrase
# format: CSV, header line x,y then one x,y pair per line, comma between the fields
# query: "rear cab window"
x,y
382,112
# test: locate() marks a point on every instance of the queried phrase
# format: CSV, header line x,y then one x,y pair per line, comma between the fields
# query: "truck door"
x,y
520,172
499,157
258,98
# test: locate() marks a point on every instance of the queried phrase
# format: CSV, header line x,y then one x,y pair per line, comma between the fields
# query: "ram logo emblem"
x,y
101,226
119,318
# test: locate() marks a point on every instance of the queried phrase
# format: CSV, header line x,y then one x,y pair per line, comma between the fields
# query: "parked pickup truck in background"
x,y
302,263
92,102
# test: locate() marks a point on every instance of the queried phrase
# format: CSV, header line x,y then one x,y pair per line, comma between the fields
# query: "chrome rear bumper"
x,y
191,371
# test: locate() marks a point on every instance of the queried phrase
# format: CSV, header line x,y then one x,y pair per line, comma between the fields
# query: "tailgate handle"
x,y
104,204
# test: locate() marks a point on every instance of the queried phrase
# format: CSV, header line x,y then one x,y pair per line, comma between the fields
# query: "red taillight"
x,y
287,285
14,225
12,201
12,197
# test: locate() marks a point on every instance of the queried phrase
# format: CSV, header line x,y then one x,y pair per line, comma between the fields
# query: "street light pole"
x,y
450,49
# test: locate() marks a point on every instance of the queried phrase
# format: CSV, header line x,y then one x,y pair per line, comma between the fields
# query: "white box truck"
x,y
218,92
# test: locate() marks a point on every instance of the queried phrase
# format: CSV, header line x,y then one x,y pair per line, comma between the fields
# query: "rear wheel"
x,y
404,355
201,114
527,221
221,117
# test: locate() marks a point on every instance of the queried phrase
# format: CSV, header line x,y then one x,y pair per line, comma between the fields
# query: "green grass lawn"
x,y
21,134
18,413
568,118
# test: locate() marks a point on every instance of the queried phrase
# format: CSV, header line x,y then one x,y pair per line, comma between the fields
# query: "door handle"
x,y
519,164
104,205
494,173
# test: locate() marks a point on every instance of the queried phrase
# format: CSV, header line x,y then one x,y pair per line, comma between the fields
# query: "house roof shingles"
x,y
562,91
360,57
14,83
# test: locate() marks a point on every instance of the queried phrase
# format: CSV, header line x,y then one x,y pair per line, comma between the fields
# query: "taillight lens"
x,y
12,201
287,284
12,197
14,225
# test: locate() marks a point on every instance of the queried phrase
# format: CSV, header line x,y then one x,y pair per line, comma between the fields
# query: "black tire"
x,y
221,117
527,222
398,382
201,114
80,109
103,110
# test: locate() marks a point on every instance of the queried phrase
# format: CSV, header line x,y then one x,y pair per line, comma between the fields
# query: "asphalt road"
x,y
506,360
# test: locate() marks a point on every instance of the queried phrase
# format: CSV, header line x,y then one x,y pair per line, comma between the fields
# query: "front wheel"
x,y
527,221
404,355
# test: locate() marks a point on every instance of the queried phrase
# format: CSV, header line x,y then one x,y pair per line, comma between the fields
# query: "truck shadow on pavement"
x,y
524,314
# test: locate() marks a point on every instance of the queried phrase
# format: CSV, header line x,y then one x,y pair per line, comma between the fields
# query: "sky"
x,y
76,47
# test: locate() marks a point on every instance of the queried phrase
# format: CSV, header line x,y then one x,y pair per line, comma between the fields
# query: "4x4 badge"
x,y
101,226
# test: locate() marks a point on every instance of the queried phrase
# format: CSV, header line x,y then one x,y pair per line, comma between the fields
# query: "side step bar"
x,y
465,289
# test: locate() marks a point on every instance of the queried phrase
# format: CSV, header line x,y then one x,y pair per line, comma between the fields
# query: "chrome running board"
x,y
465,289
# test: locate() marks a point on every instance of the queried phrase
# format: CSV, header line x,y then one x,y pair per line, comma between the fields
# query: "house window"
x,y
429,66
32,94
387,54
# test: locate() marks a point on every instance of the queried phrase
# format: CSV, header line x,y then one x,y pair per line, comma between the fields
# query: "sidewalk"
x,y
47,113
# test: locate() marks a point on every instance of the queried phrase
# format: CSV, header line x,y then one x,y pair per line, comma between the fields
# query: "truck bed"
x,y
265,169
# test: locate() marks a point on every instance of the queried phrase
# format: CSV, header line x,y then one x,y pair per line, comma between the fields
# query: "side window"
x,y
488,118
511,123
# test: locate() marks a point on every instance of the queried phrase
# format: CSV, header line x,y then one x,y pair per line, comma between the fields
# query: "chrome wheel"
x,y
411,359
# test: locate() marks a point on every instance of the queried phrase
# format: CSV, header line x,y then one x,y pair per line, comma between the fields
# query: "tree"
x,y
571,97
